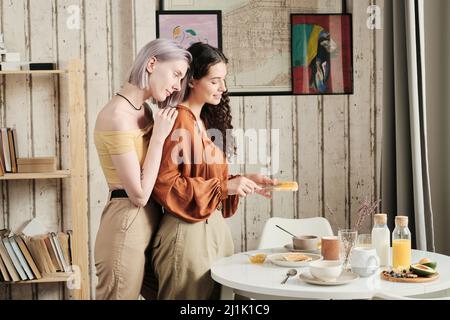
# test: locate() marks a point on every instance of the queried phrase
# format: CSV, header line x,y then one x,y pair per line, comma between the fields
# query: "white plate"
x,y
345,277
291,248
278,260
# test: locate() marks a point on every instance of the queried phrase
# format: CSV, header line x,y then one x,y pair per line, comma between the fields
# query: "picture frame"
x,y
190,26
322,54
259,58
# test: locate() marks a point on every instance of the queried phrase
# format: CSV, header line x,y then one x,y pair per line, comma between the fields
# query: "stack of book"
x,y
36,164
10,61
27,258
8,151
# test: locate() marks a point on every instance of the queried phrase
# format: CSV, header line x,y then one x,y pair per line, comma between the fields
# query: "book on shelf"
x,y
15,260
8,263
53,253
8,150
2,171
59,250
5,150
21,257
63,239
24,257
11,57
39,242
37,255
27,254
10,66
12,139
36,164
4,271
42,66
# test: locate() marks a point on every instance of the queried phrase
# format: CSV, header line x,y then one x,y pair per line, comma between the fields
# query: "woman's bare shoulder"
x,y
112,118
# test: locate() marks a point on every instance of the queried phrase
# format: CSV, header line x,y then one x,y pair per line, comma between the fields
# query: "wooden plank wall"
x,y
331,145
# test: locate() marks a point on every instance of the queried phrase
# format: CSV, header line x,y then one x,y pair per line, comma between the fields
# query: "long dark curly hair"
x,y
214,116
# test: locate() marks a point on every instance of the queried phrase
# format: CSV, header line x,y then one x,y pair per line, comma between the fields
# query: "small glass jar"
x,y
401,244
381,238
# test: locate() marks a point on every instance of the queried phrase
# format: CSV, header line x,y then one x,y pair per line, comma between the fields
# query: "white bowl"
x,y
326,270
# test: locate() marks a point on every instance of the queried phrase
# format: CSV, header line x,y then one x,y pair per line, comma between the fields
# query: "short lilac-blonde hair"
x,y
162,50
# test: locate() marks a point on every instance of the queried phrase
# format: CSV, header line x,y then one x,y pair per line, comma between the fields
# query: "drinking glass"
x,y
347,238
364,240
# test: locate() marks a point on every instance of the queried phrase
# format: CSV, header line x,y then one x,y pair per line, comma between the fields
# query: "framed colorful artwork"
x,y
256,40
188,27
322,58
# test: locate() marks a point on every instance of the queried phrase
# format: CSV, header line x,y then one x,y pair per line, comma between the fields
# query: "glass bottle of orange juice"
x,y
401,243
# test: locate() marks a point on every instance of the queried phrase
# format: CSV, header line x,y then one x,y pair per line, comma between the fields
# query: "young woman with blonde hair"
x,y
129,144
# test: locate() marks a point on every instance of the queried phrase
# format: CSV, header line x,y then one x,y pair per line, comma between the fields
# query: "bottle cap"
x,y
380,218
401,221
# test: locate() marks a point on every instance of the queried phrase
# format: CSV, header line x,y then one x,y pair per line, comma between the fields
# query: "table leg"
x,y
226,293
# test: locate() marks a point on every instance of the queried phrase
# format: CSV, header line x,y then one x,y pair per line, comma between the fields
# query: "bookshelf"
x,y
76,175
33,72
48,277
59,174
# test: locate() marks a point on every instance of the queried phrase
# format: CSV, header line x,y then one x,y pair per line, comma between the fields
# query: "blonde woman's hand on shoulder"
x,y
164,121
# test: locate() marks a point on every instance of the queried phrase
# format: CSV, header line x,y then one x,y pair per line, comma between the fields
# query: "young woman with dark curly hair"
x,y
193,185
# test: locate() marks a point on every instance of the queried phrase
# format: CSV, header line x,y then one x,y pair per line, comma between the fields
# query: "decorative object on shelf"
x,y
11,57
322,54
188,27
10,66
256,40
36,164
38,66
10,61
42,66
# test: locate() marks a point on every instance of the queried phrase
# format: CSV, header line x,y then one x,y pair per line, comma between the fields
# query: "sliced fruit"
x,y
424,260
422,270
427,262
432,265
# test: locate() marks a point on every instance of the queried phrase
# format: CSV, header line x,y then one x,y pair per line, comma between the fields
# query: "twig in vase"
x,y
367,208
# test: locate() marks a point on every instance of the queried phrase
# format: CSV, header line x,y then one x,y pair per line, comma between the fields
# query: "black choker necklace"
x,y
138,109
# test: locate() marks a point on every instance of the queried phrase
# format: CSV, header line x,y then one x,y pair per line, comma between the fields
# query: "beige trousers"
x,y
182,255
124,234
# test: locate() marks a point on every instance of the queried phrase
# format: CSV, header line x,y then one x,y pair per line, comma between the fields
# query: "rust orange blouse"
x,y
192,179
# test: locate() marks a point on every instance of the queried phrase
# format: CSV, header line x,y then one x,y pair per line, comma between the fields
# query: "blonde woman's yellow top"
x,y
110,143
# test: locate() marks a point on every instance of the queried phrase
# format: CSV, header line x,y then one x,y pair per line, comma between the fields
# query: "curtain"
x,y
405,184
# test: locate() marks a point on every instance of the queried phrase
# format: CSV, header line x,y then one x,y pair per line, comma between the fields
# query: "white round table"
x,y
263,281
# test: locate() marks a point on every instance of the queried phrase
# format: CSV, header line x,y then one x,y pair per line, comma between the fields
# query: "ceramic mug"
x,y
330,248
306,242
365,261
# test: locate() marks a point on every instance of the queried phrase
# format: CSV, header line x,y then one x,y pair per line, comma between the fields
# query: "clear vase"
x,y
347,239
